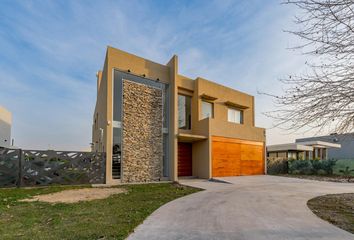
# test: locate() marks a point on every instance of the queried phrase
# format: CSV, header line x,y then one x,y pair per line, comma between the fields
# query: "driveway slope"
x,y
249,207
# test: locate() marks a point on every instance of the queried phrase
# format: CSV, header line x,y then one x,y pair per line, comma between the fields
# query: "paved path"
x,y
250,207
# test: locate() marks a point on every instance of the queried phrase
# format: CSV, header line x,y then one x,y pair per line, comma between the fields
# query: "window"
x,y
184,112
207,110
235,115
292,156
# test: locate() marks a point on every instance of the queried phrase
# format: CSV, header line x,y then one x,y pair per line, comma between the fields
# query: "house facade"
x,y
5,127
155,124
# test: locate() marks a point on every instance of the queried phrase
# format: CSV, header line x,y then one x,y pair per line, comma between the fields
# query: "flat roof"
x,y
321,144
302,146
288,146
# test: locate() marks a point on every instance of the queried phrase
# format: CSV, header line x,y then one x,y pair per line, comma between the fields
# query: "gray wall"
x,y
5,133
5,127
346,140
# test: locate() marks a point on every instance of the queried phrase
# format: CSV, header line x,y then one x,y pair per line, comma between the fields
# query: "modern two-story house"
x,y
155,124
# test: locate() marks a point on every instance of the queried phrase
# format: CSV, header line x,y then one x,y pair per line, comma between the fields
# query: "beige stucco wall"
x,y
201,150
224,94
173,129
100,113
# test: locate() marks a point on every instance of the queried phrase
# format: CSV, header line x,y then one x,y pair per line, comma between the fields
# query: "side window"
x,y
235,115
184,112
207,110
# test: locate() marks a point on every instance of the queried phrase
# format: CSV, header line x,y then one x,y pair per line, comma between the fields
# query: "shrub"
x,y
322,172
277,166
317,166
308,167
300,167
327,165
323,166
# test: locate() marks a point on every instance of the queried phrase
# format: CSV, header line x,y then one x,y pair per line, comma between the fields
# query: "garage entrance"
x,y
184,159
235,157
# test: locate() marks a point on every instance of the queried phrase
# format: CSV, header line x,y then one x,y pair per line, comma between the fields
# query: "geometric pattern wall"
x,y
28,168
9,167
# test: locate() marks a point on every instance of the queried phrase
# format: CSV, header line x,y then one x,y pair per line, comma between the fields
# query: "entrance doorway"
x,y
184,159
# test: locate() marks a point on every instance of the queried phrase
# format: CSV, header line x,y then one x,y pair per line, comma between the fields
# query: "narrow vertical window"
x,y
184,112
207,110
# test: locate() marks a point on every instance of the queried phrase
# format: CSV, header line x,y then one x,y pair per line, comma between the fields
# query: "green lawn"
x,y
111,218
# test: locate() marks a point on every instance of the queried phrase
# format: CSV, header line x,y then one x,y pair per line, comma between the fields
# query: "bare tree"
x,y
323,98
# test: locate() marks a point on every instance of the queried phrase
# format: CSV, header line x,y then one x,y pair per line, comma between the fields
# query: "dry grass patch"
x,y
76,195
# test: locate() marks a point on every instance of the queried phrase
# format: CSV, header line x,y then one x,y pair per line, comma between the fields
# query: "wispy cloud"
x,y
50,51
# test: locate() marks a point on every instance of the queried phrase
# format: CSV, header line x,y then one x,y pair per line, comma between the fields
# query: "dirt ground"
x,y
337,209
76,195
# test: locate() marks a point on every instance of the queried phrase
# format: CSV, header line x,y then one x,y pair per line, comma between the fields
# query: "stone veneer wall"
x,y
142,133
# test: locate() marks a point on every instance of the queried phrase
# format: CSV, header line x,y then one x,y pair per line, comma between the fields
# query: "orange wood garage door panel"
x,y
251,152
234,157
222,166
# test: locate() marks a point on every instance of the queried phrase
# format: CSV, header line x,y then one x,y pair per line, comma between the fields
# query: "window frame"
x,y
241,115
188,117
212,109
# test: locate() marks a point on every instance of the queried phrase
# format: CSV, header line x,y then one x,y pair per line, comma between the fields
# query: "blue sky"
x,y
51,50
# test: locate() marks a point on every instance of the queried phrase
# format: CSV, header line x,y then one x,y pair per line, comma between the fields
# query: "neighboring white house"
x,y
301,150
5,127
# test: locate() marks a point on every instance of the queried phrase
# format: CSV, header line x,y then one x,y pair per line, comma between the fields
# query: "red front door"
x,y
184,159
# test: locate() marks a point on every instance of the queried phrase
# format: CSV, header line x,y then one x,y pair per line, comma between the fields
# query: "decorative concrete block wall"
x,y
28,168
142,133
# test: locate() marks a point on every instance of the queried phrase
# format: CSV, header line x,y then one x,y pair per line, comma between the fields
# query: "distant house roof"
x,y
288,146
321,144
303,146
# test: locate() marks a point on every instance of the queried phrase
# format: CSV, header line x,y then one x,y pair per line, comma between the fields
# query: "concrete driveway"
x,y
250,207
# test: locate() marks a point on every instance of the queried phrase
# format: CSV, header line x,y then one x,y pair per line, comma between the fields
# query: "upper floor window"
x,y
235,115
184,112
207,110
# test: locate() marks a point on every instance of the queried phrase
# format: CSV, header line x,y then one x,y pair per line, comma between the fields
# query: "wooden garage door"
x,y
235,157
184,159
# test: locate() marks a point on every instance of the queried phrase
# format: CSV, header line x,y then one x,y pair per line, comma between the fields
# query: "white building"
x,y
5,127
